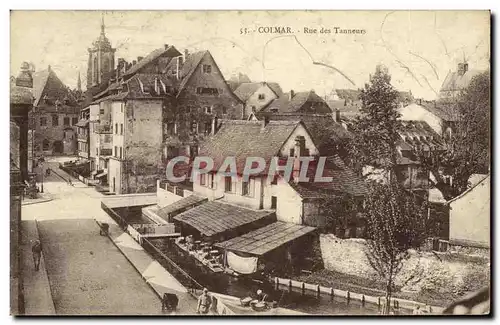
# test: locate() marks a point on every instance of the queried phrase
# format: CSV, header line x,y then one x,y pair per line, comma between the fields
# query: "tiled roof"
x,y
266,239
247,89
184,203
307,101
39,81
419,134
119,96
445,111
242,139
344,181
171,51
192,62
213,218
322,127
454,81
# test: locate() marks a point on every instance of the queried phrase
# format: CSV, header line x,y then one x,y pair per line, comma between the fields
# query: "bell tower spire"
x,y
102,24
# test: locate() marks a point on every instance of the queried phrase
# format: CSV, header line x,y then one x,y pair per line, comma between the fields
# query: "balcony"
x,y
82,137
106,152
103,129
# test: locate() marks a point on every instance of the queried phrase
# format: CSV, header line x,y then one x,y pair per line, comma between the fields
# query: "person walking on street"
x,y
37,254
204,302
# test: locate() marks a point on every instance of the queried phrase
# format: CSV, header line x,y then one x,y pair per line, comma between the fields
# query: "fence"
x,y
318,291
184,278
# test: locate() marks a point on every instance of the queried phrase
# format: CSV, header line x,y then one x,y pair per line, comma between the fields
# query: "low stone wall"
x,y
453,272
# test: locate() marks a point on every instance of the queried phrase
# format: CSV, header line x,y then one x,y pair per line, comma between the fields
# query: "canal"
x,y
186,269
229,285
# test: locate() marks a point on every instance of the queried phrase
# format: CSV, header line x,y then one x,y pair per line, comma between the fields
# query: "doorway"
x,y
58,147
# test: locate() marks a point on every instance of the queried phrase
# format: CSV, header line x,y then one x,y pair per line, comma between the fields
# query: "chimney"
x,y
186,54
139,58
292,93
337,115
134,62
462,68
165,46
214,125
179,67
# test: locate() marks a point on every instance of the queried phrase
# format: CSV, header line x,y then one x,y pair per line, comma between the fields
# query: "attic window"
x,y
207,68
262,96
208,109
274,110
254,109
207,91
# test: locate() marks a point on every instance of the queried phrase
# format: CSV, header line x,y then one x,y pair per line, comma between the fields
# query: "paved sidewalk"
x,y
153,273
37,295
44,197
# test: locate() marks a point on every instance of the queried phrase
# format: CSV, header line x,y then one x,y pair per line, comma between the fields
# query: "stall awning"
x,y
213,218
82,123
104,173
184,203
265,239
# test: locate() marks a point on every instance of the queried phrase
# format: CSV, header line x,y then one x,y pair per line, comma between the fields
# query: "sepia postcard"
x,y
222,163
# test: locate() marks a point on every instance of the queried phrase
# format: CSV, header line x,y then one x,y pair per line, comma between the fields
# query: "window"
x,y
262,96
275,180
105,164
274,202
292,152
66,121
211,180
208,128
254,109
97,151
207,68
101,111
116,152
121,128
228,182
274,110
43,121
247,188
74,120
208,110
45,145
207,91
116,128
121,152
203,179
55,120
194,127
224,110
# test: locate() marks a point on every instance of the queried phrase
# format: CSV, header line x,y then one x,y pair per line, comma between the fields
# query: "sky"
x,y
418,47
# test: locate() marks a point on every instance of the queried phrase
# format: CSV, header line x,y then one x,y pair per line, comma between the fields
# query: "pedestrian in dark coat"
x,y
37,253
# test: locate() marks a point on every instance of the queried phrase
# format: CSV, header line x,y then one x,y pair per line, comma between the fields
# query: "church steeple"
x,y
79,83
101,59
102,25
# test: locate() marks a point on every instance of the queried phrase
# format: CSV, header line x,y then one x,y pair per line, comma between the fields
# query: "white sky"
x,y
419,47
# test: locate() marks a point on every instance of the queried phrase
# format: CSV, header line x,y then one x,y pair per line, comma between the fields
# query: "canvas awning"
x,y
104,173
266,239
214,218
180,205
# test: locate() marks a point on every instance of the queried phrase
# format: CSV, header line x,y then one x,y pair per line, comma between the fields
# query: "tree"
x,y
376,130
395,224
468,149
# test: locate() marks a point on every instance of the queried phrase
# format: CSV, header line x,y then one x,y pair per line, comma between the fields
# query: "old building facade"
x,y
54,116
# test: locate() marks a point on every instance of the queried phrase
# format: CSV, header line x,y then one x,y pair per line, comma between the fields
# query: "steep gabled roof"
x,y
170,51
46,83
284,104
246,90
189,67
443,110
241,139
455,82
344,180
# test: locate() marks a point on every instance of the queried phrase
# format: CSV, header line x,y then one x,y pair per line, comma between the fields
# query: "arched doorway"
x,y
58,147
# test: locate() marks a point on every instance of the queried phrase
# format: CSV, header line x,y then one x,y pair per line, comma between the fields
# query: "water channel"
x,y
185,267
